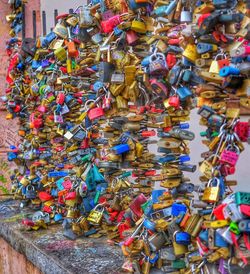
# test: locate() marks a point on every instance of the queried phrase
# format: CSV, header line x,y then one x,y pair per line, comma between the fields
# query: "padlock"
x,y
157,64
95,113
232,212
61,54
85,18
157,240
211,193
186,16
30,192
179,249
131,37
95,215
138,26
230,155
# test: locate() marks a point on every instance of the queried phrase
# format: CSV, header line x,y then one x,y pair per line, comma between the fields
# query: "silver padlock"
x,y
186,16
232,212
157,240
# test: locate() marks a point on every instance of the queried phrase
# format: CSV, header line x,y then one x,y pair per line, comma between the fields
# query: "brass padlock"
x,y
95,216
211,193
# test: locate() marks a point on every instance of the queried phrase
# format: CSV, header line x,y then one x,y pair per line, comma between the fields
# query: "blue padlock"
x,y
149,225
54,192
178,208
153,258
11,156
226,71
184,93
59,184
185,62
184,125
50,37
117,31
122,148
156,193
146,61
219,240
204,47
171,7
134,6
184,158
174,74
57,174
58,217
182,238
36,64
97,86
160,11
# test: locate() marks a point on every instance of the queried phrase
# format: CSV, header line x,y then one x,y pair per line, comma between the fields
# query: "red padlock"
x,y
218,212
171,60
44,196
241,129
60,98
17,108
95,113
227,170
174,101
85,143
47,209
108,25
148,133
37,123
202,18
135,206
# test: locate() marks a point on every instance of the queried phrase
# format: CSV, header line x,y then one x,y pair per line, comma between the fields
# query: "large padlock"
x,y
186,16
95,113
85,18
158,64
230,155
95,215
211,193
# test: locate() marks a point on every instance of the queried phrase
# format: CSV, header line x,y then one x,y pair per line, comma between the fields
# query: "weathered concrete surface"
x,y
13,262
51,252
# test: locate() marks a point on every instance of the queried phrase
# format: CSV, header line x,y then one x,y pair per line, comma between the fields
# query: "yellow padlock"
x,y
138,26
191,53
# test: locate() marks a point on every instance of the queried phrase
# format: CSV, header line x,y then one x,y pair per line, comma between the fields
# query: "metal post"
x,y
44,22
34,23
24,24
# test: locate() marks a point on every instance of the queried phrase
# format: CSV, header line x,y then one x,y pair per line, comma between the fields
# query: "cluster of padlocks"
x,y
104,101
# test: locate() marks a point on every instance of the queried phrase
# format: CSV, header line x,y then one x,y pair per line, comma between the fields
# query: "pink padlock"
x,y
229,156
95,113
174,101
42,109
131,37
60,98
241,129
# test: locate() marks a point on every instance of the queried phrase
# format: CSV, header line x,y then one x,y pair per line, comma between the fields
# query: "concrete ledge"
x,y
51,252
